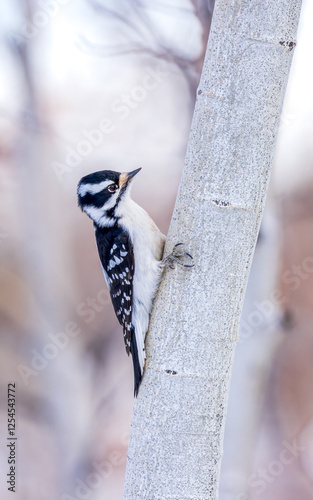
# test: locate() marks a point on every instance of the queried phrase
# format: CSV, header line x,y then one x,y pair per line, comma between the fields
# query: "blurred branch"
x,y
143,37
21,49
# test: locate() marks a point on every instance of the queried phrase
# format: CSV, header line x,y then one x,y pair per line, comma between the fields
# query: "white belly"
x,y
148,244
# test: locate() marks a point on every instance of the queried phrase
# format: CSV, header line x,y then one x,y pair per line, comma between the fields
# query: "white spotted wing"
x,y
117,259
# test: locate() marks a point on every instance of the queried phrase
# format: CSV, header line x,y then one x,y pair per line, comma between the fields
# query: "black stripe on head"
x,y
100,176
97,199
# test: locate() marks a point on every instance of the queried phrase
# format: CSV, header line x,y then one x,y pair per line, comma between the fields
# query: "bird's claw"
x,y
175,256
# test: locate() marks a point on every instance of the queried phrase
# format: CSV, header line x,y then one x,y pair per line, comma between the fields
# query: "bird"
x,y
130,247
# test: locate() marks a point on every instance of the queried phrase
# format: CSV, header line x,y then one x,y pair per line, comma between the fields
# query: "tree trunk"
x,y
176,441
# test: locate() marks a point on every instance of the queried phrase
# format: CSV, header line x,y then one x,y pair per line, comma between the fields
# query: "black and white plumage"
x,y
130,248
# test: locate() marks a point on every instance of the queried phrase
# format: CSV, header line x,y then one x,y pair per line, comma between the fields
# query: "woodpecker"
x,y
130,247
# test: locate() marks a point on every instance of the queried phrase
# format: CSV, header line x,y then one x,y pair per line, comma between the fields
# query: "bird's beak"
x,y
126,177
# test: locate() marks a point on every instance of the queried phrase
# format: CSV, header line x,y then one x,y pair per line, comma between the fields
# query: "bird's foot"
x,y
178,256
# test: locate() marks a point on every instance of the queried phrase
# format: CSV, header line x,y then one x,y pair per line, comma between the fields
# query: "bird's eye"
x,y
112,188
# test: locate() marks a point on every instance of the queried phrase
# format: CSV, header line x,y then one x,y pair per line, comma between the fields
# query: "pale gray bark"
x,y
177,431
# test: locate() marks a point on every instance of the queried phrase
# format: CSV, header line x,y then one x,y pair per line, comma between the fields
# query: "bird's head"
x,y
101,193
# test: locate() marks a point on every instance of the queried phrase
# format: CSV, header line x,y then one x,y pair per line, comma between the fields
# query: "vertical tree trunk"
x,y
177,430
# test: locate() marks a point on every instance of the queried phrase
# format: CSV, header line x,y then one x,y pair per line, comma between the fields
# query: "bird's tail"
x,y
137,369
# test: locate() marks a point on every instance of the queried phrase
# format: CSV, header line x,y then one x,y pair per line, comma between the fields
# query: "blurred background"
x,y
102,84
